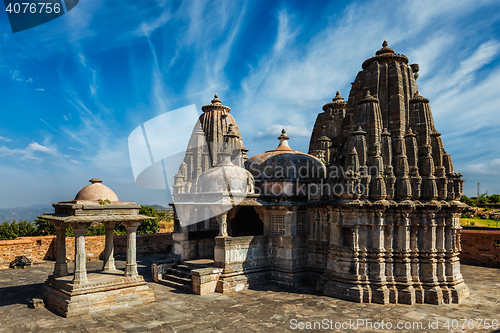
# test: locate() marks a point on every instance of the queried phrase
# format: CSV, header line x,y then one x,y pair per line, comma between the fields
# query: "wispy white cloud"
x,y
35,146
490,168
76,162
40,89
5,139
28,152
448,81
52,128
93,73
286,31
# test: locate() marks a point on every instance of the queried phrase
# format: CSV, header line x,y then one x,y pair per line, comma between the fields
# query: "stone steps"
x,y
176,278
179,277
176,285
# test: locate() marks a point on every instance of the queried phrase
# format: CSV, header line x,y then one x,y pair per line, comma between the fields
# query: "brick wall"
x,y
44,247
478,247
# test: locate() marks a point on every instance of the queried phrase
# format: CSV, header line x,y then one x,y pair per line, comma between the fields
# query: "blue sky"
x,y
73,89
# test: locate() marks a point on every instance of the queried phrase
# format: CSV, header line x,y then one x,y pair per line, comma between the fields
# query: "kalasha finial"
x,y
95,180
283,139
216,99
337,97
385,49
283,135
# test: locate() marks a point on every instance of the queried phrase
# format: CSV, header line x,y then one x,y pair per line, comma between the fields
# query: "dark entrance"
x,y
246,223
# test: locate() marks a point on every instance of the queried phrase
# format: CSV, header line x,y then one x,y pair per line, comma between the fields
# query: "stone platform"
x,y
102,292
269,309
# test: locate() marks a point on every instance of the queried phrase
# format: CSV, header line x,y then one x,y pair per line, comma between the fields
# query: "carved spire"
x,y
427,169
360,145
377,186
352,162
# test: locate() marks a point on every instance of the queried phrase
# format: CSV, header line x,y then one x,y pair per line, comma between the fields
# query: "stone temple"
x,y
370,214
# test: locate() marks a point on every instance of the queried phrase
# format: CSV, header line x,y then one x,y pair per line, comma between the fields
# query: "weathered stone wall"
x,y
44,247
478,247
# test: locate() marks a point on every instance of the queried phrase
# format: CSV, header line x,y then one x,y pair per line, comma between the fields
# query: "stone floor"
x,y
268,309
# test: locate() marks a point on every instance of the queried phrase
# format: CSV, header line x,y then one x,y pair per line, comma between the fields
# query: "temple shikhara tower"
x,y
370,214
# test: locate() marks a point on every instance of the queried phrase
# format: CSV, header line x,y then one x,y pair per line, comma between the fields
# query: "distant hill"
x,y
24,213
159,207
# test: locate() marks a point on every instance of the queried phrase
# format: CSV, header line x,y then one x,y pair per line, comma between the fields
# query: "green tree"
x,y
494,198
147,226
44,228
14,229
483,199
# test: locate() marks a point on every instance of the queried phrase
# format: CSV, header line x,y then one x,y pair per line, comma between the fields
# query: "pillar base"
x,y
348,292
459,292
380,295
109,266
434,295
131,270
60,270
80,277
406,294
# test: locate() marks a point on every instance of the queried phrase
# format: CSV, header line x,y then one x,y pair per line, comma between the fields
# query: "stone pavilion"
x,y
83,292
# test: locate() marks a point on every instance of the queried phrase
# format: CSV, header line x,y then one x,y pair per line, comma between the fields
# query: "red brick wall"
x,y
478,247
44,247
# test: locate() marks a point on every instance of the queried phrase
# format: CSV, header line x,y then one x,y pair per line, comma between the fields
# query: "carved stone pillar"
x,y
109,260
441,256
380,292
80,265
428,262
456,286
415,235
222,219
61,267
131,267
402,269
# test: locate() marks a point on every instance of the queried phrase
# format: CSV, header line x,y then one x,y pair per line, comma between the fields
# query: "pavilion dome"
x,y
96,191
226,176
285,164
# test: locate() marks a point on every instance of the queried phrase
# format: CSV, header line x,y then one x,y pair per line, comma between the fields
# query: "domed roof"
x,y
96,191
284,163
226,176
